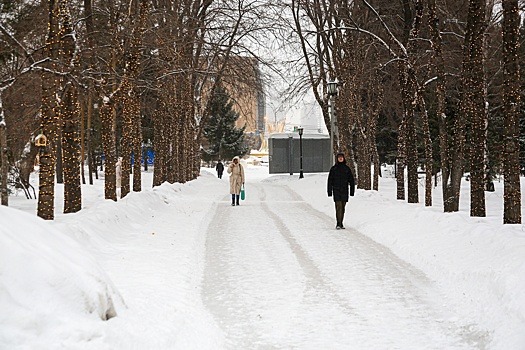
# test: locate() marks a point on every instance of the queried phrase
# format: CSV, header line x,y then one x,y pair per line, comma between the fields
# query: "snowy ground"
x,y
182,269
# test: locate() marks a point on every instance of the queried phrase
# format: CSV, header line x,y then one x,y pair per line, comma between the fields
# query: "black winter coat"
x,y
339,179
220,168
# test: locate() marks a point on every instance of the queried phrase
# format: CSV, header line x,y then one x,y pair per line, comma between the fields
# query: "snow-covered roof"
x,y
295,135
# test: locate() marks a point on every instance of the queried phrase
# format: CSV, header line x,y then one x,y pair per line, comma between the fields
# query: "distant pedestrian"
x,y
236,179
220,168
339,179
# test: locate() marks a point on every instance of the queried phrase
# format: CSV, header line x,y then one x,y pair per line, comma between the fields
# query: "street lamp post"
x,y
300,130
331,88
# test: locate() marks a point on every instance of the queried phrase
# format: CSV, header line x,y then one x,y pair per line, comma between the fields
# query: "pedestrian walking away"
x,y
236,171
340,180
220,168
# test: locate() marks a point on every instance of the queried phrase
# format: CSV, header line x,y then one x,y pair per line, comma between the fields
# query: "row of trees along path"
x,y
400,61
421,82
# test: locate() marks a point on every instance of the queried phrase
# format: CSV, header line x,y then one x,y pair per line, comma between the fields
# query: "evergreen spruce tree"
x,y
225,140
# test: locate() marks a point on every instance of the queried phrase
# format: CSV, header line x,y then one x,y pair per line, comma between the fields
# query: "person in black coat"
x,y
220,168
340,179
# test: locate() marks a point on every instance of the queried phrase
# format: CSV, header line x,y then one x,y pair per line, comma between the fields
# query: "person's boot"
x,y
237,199
233,200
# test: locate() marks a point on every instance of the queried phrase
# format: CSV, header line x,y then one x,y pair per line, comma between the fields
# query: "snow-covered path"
x,y
278,275
185,270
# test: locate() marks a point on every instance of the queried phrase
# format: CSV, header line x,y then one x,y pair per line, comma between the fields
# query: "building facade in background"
x,y
248,95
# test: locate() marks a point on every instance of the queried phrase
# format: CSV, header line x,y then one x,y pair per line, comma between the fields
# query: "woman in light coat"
x,y
236,171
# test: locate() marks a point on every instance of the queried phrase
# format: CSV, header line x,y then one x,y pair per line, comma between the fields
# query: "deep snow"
x,y
182,269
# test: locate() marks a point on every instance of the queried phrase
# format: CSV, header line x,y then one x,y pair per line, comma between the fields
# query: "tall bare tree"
x,y
4,167
70,115
473,107
131,131
49,116
438,63
511,105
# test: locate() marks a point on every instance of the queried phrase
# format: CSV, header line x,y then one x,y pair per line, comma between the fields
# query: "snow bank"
x,y
50,288
476,261
152,245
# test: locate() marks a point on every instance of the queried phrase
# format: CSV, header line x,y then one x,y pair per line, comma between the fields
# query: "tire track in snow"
x,y
401,282
250,278
315,277
218,291
318,286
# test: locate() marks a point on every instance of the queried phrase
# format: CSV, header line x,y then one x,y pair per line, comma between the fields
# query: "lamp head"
x,y
331,87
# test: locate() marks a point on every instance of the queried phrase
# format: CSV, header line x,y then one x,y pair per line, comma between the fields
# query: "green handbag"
x,y
243,194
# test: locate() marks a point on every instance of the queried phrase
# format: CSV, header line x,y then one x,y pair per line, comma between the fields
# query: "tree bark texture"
x,y
49,119
473,107
70,116
108,127
429,159
511,100
4,166
71,151
438,65
400,160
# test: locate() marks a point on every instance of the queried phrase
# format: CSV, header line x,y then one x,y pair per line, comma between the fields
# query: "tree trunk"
x,y
59,171
131,139
49,120
400,160
429,159
163,129
70,113
108,127
89,146
4,166
82,105
90,28
474,99
412,159
439,63
363,156
71,152
410,92
407,145
487,176
511,105
372,130
137,146
127,137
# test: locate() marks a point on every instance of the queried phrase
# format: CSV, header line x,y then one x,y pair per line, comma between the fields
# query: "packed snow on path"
x,y
177,267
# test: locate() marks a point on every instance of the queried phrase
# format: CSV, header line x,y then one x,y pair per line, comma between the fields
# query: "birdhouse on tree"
x,y
41,140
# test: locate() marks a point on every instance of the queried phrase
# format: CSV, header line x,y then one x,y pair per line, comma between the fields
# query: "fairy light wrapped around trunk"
x,y
131,136
3,158
49,117
473,103
70,116
511,105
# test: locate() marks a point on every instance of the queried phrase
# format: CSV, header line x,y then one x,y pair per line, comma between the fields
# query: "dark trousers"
x,y
340,212
219,175
235,199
